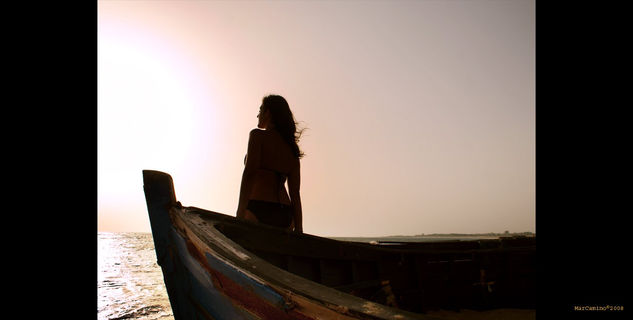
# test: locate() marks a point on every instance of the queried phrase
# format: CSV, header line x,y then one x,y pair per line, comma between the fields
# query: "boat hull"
x,y
218,267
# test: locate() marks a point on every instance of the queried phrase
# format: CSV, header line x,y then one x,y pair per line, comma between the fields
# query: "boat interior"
x,y
417,277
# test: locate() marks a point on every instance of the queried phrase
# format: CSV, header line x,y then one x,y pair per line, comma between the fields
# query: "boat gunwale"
x,y
399,247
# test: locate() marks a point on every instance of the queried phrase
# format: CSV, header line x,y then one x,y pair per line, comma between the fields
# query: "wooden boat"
x,y
218,267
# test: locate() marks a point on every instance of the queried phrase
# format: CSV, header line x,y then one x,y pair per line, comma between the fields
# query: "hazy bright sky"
x,y
421,114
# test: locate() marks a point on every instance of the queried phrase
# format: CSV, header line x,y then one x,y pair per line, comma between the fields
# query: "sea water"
x,y
129,281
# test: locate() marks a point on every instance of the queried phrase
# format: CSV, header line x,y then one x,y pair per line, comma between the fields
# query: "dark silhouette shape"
x,y
272,158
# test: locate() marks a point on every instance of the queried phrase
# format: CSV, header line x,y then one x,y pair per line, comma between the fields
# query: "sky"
x,y
420,115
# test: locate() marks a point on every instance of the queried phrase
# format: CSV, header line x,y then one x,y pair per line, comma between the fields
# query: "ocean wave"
x,y
155,310
111,284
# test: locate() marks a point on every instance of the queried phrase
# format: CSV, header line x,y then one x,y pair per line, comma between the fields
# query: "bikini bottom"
x,y
271,213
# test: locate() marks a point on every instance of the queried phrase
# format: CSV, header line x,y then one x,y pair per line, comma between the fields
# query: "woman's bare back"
x,y
274,163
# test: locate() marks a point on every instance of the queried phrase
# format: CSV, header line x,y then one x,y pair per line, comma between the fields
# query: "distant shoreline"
x,y
438,236
489,234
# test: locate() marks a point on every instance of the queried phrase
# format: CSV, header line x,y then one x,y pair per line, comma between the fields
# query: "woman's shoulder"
x,y
263,134
257,133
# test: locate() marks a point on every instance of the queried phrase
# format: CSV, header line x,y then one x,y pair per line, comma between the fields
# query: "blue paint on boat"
x,y
200,290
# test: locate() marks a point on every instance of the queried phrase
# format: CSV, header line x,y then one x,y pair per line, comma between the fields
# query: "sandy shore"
x,y
497,314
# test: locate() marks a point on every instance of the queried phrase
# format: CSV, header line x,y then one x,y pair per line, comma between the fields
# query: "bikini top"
x,y
281,178
280,175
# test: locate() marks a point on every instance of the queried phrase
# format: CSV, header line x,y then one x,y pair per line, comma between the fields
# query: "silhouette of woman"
x,y
273,156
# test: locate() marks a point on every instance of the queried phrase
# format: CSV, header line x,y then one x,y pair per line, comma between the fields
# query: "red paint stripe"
x,y
241,296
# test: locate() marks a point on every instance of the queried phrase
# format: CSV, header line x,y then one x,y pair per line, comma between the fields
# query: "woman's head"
x,y
275,113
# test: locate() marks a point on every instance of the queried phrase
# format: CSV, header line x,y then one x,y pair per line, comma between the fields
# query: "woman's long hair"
x,y
284,121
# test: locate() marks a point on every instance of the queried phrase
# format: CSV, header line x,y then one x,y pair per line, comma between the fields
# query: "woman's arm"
x,y
253,157
294,184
